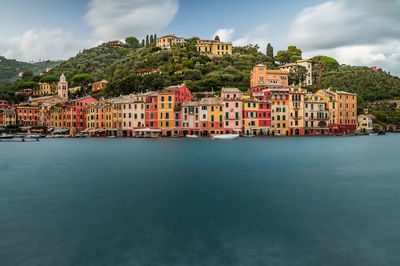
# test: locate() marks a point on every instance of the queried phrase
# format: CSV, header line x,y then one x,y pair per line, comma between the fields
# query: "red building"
x,y
3,104
74,113
99,86
151,111
181,92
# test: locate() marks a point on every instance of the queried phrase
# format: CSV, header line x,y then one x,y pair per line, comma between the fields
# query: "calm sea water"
x,y
267,201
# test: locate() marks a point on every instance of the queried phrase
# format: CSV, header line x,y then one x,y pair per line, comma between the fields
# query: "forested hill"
x,y
370,85
10,68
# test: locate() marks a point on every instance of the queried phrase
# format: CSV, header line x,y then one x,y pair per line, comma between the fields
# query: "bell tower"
x,y
63,88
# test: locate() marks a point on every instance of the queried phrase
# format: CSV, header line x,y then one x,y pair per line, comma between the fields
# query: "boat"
x,y
5,136
192,136
248,136
226,136
176,136
373,134
19,140
32,136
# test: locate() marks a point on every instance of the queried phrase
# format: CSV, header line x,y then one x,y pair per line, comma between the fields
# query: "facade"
x,y
296,112
342,110
151,112
133,113
99,86
316,116
7,117
191,118
255,117
233,110
3,104
215,123
305,63
115,43
27,115
167,41
45,89
279,111
213,48
365,124
260,75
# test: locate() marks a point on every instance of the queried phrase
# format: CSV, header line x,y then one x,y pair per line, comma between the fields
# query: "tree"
x,y
27,75
151,39
132,42
28,85
291,55
143,43
147,40
322,64
155,37
297,75
49,79
270,51
192,74
217,38
83,80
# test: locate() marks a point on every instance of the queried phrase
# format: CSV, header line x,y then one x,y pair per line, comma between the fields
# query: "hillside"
x,y
370,85
10,68
93,61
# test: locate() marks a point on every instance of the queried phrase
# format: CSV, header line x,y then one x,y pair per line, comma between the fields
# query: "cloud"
x,y
118,19
258,35
355,32
225,35
35,45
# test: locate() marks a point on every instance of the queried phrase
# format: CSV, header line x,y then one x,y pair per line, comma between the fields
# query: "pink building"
x,y
233,110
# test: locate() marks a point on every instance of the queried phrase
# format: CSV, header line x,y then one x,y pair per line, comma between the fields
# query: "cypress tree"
x,y
143,43
155,37
151,39
147,40
270,50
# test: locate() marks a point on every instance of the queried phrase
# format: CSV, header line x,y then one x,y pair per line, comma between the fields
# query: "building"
x,y
99,86
167,41
215,114
191,118
233,110
27,115
296,112
62,88
342,110
256,117
213,48
115,43
279,111
365,124
151,112
316,115
95,117
305,63
133,113
45,89
261,75
7,117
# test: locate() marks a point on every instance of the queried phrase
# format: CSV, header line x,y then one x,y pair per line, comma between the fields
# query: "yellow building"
x,y
166,111
213,48
45,89
296,111
167,41
279,111
215,115
8,117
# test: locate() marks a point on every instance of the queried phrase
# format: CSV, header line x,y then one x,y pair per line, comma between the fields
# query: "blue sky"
x,y
357,32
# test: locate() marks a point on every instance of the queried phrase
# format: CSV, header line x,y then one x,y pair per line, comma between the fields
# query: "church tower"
x,y
63,88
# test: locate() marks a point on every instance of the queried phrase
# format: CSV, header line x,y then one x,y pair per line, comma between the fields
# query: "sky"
x,y
355,32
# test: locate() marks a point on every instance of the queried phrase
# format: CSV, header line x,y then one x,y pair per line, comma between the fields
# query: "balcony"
x,y
296,117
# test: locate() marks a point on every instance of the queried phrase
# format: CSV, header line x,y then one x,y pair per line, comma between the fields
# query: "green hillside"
x,y
10,68
370,85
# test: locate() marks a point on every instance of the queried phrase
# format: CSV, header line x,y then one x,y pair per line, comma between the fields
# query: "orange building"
x,y
99,86
27,115
261,75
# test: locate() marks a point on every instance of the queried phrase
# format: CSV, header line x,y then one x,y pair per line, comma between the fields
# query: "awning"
x,y
146,130
61,130
25,128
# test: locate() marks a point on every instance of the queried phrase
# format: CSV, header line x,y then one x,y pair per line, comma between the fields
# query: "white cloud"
x,y
225,35
118,19
357,32
259,36
35,45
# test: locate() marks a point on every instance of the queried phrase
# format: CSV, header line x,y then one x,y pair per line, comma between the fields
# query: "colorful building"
x,y
27,115
256,117
261,75
99,86
296,112
151,112
133,113
7,117
167,41
316,115
233,110
213,48
191,118
45,89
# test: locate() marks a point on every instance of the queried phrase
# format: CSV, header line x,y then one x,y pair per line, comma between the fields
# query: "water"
x,y
267,201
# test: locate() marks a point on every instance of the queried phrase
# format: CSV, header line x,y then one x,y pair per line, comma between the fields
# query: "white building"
x,y
305,63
